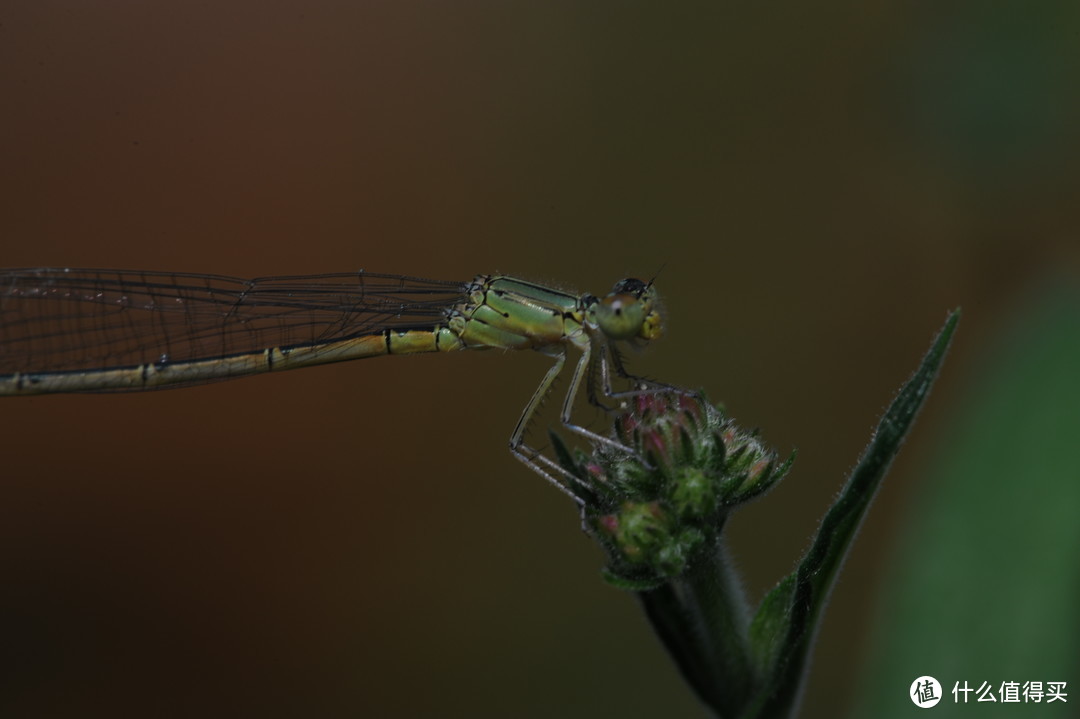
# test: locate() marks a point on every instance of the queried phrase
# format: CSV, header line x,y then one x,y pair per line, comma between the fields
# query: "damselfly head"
x,y
630,311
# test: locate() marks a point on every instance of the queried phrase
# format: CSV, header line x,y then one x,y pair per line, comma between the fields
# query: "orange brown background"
x,y
819,182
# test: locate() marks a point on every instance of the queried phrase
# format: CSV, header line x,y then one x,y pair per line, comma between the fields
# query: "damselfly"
x,y
88,330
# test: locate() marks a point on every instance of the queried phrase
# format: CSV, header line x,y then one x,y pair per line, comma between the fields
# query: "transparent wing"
x,y
84,319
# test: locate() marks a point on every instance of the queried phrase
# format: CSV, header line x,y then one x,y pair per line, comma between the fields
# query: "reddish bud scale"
x,y
659,505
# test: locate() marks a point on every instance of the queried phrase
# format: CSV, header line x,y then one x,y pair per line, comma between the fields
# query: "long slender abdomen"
x,y
164,373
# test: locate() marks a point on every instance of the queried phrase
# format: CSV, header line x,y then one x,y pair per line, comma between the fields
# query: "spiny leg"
x,y
599,366
583,367
534,458
642,385
595,370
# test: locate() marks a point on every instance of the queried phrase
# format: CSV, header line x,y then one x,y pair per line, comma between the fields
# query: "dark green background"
x,y
819,181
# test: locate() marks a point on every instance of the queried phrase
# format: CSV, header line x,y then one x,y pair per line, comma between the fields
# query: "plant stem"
x,y
702,618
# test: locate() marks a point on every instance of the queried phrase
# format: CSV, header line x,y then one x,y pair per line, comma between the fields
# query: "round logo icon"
x,y
925,692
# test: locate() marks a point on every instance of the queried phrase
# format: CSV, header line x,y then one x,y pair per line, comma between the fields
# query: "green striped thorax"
x,y
508,313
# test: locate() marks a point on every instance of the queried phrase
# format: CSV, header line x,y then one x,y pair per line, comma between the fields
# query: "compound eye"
x,y
630,286
620,316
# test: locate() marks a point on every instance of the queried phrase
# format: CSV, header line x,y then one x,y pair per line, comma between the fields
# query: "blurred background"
x,y
820,183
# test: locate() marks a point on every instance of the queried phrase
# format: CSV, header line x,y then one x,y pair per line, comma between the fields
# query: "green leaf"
x,y
788,628
769,624
985,585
